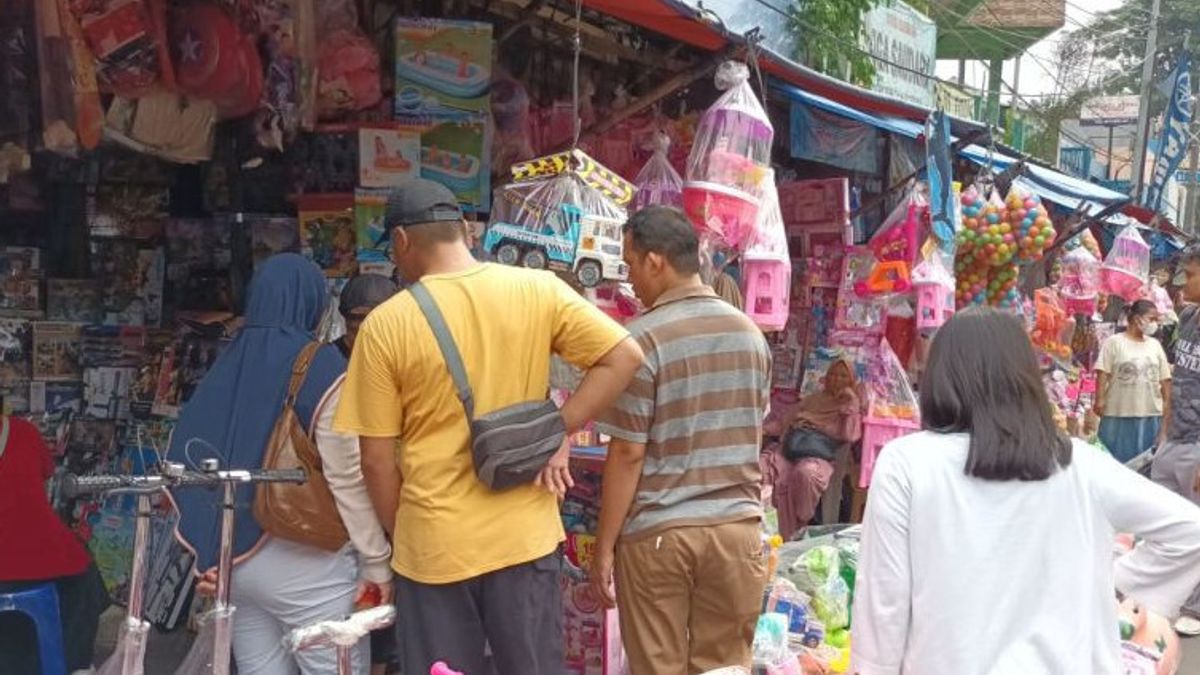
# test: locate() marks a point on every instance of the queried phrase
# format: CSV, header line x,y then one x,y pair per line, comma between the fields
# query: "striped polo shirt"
x,y
697,404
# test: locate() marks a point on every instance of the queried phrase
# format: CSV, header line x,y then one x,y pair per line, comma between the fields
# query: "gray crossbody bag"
x,y
509,446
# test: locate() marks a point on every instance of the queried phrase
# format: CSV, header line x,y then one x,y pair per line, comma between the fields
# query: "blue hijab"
x,y
235,406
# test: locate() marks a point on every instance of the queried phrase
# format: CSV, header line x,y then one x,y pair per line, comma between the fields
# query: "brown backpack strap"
x,y
299,371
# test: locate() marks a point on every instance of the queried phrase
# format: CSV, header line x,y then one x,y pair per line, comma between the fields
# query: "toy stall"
x,y
153,153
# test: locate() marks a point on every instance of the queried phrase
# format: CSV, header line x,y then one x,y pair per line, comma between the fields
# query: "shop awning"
x,y
1055,186
721,23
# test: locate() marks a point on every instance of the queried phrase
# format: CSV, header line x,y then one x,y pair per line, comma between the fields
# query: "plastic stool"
x,y
40,603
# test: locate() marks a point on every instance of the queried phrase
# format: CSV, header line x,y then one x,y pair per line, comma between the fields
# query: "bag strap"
x,y
300,371
3,434
454,362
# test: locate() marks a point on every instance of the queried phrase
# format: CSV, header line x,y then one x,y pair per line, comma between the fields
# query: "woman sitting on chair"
x,y
37,548
815,448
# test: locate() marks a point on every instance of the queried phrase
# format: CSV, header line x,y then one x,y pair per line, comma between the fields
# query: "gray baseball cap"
x,y
419,201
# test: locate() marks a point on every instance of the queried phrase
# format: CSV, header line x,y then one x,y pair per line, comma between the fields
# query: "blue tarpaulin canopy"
x,y
1054,186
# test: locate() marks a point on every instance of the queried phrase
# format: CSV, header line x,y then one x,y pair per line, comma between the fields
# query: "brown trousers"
x,y
689,598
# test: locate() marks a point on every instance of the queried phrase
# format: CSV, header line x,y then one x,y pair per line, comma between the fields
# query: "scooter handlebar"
x,y
76,486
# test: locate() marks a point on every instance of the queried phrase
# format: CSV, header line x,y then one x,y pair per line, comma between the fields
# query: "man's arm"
x,y
602,384
1166,417
382,478
622,472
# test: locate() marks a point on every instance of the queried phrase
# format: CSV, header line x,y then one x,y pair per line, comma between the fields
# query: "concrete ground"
x,y
166,651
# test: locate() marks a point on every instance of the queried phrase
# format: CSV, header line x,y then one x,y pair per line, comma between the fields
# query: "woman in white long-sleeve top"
x,y
988,538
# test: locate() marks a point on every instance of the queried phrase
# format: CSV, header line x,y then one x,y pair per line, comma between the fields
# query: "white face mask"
x,y
1150,328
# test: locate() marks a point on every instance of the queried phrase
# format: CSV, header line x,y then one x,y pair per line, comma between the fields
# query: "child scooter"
x,y
212,650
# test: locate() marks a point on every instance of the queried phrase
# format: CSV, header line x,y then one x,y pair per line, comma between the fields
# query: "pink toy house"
x,y
935,294
766,265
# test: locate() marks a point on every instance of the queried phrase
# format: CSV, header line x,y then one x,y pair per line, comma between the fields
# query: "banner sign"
x,y
899,34
1109,111
1174,142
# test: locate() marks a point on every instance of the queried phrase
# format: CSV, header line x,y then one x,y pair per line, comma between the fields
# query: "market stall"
x,y
140,188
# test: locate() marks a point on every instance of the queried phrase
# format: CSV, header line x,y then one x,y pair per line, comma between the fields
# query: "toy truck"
x,y
586,245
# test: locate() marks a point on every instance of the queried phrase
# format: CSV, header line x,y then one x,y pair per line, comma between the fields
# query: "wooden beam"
x,y
525,18
596,42
663,90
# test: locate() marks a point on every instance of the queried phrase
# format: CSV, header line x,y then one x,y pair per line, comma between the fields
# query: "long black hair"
x,y
983,379
1138,309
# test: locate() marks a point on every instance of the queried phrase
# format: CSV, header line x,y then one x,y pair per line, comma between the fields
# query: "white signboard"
x,y
898,34
1109,111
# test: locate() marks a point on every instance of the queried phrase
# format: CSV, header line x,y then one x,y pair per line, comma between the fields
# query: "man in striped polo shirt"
x,y
680,512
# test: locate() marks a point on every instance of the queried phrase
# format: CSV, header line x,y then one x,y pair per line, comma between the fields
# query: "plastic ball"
x,y
993,217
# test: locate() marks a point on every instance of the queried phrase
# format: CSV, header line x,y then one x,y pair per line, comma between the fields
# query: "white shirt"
x,y
963,576
341,463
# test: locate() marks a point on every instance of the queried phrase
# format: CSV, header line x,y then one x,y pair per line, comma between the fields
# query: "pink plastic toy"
x,y
892,409
1079,285
440,668
1126,268
730,155
1149,643
935,294
766,267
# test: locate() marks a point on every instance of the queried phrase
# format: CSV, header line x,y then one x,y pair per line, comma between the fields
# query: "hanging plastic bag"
x,y
767,265
1126,268
1028,225
558,223
658,182
730,154
1079,281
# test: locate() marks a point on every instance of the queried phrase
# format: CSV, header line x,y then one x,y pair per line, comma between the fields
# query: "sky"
x,y
1034,79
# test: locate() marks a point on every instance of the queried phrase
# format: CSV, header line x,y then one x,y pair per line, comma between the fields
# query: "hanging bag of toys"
x,y
658,182
766,265
562,222
1126,269
730,154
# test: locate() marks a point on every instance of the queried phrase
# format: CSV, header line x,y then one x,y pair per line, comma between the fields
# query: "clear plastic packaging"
x,y
1126,269
889,394
658,182
817,573
730,153
771,639
345,633
560,223
1053,327
216,624
935,293
1079,281
1028,222
129,656
766,264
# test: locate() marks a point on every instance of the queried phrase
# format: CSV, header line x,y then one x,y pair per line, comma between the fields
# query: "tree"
x,y
830,38
1115,42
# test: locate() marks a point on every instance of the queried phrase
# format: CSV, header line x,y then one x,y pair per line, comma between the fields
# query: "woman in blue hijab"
x,y
278,585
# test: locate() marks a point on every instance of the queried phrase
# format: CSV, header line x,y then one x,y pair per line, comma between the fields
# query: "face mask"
x,y
1150,328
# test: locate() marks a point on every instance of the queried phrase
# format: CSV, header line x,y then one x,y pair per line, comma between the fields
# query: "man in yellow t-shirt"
x,y
475,567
